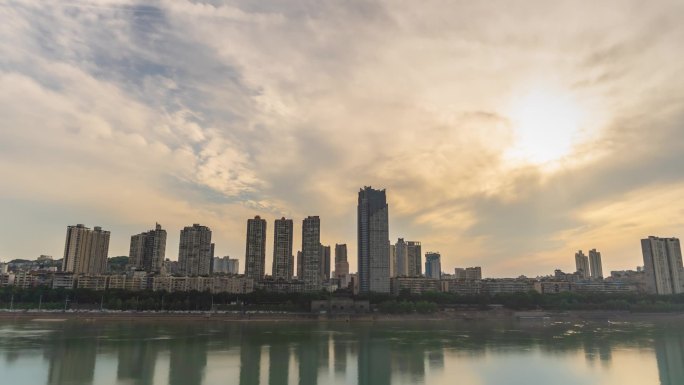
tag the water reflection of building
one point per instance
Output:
(279, 363)
(250, 358)
(340, 355)
(408, 360)
(136, 362)
(436, 359)
(72, 361)
(307, 352)
(670, 357)
(598, 349)
(187, 359)
(374, 365)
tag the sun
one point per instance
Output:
(546, 126)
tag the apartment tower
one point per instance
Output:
(85, 250)
(663, 265)
(255, 250)
(582, 264)
(373, 241)
(595, 267)
(148, 250)
(282, 249)
(195, 251)
(311, 250)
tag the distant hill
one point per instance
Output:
(117, 264)
(20, 261)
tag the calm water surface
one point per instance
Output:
(211, 352)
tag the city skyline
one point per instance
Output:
(505, 140)
(592, 263)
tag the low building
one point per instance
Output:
(340, 305)
(218, 284)
(507, 286)
(63, 281)
(559, 275)
(6, 279)
(199, 284)
(24, 280)
(636, 278)
(603, 287)
(93, 282)
(234, 284)
(281, 286)
(179, 284)
(461, 286)
(136, 283)
(162, 283)
(552, 287)
(117, 281)
(415, 285)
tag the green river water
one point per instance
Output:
(199, 351)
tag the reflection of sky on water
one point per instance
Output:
(186, 353)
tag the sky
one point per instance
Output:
(507, 134)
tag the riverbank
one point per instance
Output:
(470, 315)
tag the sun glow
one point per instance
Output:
(547, 125)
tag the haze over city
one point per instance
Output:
(508, 144)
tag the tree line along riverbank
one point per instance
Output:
(405, 303)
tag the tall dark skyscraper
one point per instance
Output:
(433, 265)
(148, 250)
(300, 265)
(194, 251)
(282, 249)
(325, 262)
(341, 263)
(311, 249)
(255, 253)
(401, 259)
(414, 257)
(373, 240)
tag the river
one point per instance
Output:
(198, 351)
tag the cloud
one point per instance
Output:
(214, 111)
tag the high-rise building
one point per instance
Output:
(255, 253)
(582, 264)
(85, 250)
(341, 263)
(226, 265)
(400, 259)
(373, 241)
(433, 265)
(282, 249)
(393, 260)
(663, 265)
(325, 262)
(414, 253)
(300, 265)
(311, 249)
(194, 251)
(233, 266)
(148, 250)
(596, 270)
(468, 273)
